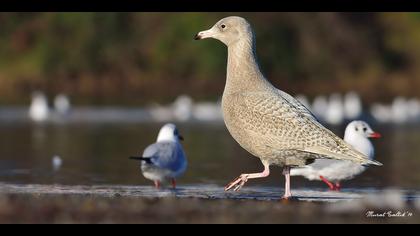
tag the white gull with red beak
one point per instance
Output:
(357, 134)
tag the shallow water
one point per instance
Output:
(98, 154)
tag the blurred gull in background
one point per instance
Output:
(208, 111)
(413, 109)
(335, 110)
(320, 106)
(57, 162)
(39, 111)
(400, 111)
(182, 108)
(352, 106)
(62, 104)
(381, 113)
(160, 113)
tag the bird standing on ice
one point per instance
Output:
(357, 134)
(267, 122)
(165, 159)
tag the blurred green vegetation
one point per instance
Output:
(138, 58)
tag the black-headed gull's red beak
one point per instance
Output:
(375, 135)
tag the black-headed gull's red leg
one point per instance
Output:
(173, 181)
(330, 185)
(157, 184)
(337, 186)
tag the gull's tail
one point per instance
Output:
(373, 162)
(349, 154)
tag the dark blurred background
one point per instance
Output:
(131, 58)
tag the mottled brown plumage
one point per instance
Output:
(265, 121)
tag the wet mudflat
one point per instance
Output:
(202, 204)
(192, 191)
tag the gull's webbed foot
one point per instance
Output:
(238, 183)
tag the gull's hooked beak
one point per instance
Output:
(375, 135)
(204, 34)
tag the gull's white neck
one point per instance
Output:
(243, 72)
(360, 143)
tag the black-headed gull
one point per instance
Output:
(165, 159)
(357, 134)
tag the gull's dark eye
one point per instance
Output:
(357, 129)
(364, 129)
(223, 26)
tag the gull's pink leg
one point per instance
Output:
(157, 184)
(287, 192)
(337, 186)
(173, 181)
(239, 182)
(330, 185)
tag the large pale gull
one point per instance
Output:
(265, 121)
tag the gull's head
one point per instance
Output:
(228, 30)
(38, 95)
(360, 129)
(169, 132)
